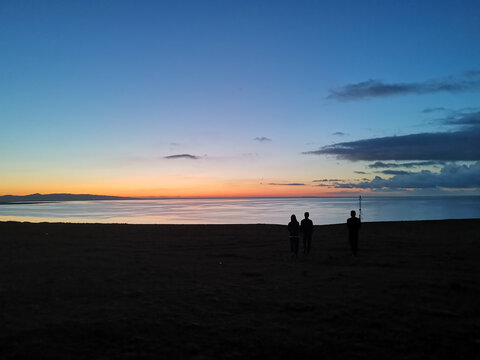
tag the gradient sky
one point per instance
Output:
(240, 98)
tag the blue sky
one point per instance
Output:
(97, 95)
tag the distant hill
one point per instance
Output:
(7, 199)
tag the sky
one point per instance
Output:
(240, 98)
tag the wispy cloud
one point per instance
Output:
(326, 180)
(469, 118)
(433, 109)
(408, 165)
(287, 184)
(339, 133)
(330, 183)
(452, 176)
(182, 156)
(395, 172)
(375, 88)
(262, 139)
(360, 172)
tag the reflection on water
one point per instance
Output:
(244, 210)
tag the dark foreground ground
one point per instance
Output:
(92, 291)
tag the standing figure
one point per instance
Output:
(306, 227)
(353, 225)
(294, 230)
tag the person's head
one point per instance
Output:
(306, 215)
(293, 218)
(353, 213)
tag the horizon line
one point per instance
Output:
(120, 197)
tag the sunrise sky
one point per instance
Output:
(240, 98)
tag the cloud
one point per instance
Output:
(467, 119)
(288, 184)
(375, 88)
(262, 139)
(380, 164)
(472, 73)
(182, 156)
(395, 172)
(360, 172)
(326, 180)
(451, 176)
(434, 109)
(251, 155)
(442, 146)
(339, 133)
(460, 144)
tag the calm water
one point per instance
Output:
(245, 210)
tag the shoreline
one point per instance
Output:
(227, 224)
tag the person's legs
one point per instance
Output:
(296, 241)
(354, 244)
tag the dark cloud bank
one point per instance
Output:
(420, 150)
(375, 88)
(452, 176)
(447, 146)
(459, 145)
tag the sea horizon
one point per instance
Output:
(153, 197)
(244, 210)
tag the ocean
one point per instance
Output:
(244, 210)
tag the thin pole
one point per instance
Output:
(360, 207)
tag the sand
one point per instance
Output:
(90, 291)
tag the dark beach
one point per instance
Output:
(91, 291)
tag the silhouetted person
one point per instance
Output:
(294, 230)
(306, 227)
(353, 227)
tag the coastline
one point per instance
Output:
(233, 291)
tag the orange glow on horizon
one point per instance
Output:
(217, 189)
(147, 185)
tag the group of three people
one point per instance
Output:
(306, 228)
